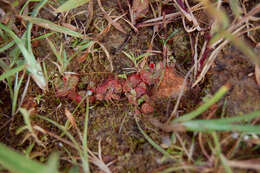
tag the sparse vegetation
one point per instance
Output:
(129, 86)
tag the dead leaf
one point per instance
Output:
(70, 117)
(170, 85)
(257, 68)
(257, 74)
(140, 8)
(110, 20)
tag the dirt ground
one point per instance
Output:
(113, 122)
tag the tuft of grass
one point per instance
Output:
(70, 4)
(52, 26)
(19, 163)
(220, 93)
(32, 65)
(11, 72)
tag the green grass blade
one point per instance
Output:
(18, 83)
(26, 117)
(156, 146)
(235, 7)
(12, 72)
(29, 26)
(220, 93)
(245, 117)
(70, 4)
(219, 152)
(52, 26)
(43, 36)
(54, 50)
(64, 130)
(170, 36)
(84, 142)
(19, 163)
(209, 126)
(32, 65)
(7, 46)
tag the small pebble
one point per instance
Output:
(235, 135)
(166, 142)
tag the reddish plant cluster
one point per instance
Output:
(138, 87)
(135, 88)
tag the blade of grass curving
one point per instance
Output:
(26, 4)
(63, 129)
(235, 7)
(219, 154)
(84, 142)
(243, 47)
(209, 126)
(19, 163)
(245, 117)
(26, 117)
(43, 36)
(11, 72)
(17, 85)
(32, 65)
(175, 168)
(217, 96)
(156, 146)
(52, 164)
(52, 26)
(81, 152)
(55, 51)
(70, 4)
(29, 25)
(170, 36)
(7, 46)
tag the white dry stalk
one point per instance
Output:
(235, 29)
(210, 61)
(184, 148)
(174, 15)
(189, 16)
(195, 57)
(98, 161)
(180, 94)
(24, 93)
(204, 47)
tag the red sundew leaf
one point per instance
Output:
(92, 99)
(115, 97)
(115, 86)
(126, 87)
(67, 84)
(100, 97)
(134, 80)
(102, 89)
(151, 66)
(137, 112)
(140, 90)
(73, 95)
(146, 77)
(146, 108)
